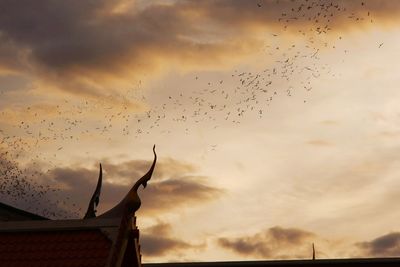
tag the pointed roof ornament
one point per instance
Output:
(131, 202)
(94, 201)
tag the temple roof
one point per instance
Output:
(110, 240)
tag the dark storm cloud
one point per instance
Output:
(158, 240)
(275, 242)
(384, 246)
(81, 45)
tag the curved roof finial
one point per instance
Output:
(131, 202)
(94, 201)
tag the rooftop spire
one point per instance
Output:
(131, 202)
(313, 251)
(94, 201)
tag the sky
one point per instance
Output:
(276, 122)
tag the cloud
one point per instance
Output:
(384, 246)
(158, 240)
(154, 245)
(173, 185)
(170, 188)
(174, 193)
(88, 47)
(275, 242)
(167, 168)
(82, 46)
(244, 247)
(12, 59)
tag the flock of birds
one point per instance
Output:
(230, 100)
(21, 187)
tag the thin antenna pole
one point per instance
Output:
(313, 251)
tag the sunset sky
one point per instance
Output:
(276, 122)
